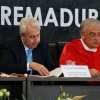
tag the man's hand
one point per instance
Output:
(39, 67)
(94, 72)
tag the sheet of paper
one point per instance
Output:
(54, 73)
(75, 71)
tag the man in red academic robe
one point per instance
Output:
(85, 51)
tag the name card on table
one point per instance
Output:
(75, 71)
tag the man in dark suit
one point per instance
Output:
(13, 51)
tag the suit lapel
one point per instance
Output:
(35, 55)
(21, 50)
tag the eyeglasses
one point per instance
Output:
(93, 35)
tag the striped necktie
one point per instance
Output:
(29, 58)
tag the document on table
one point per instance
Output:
(54, 73)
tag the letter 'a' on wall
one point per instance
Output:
(59, 20)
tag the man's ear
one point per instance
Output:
(82, 34)
(22, 35)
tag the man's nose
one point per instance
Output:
(36, 39)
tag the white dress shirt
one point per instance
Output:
(88, 49)
(26, 48)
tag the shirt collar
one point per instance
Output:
(26, 48)
(88, 49)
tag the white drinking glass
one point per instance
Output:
(70, 62)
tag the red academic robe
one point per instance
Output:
(75, 51)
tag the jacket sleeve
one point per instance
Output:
(9, 64)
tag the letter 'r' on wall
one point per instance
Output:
(5, 13)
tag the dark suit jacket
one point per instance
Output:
(13, 56)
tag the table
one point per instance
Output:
(16, 86)
(52, 91)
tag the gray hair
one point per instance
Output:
(88, 21)
(30, 21)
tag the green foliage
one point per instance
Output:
(64, 96)
(23, 97)
(4, 94)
